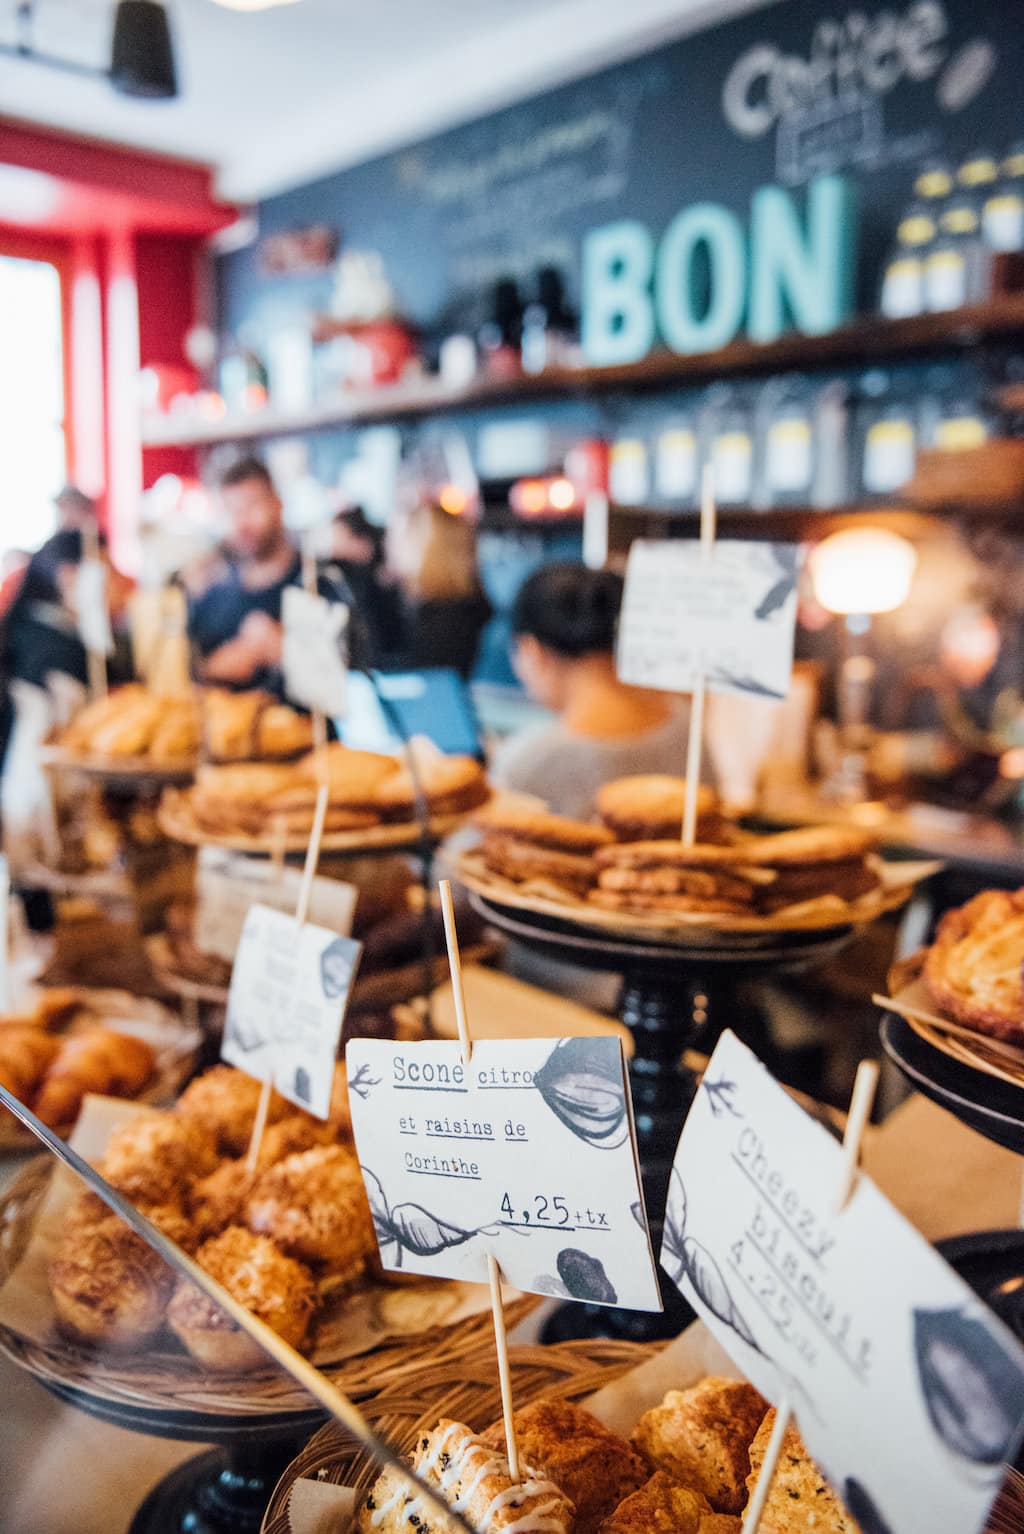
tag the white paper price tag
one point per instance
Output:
(730, 618)
(91, 603)
(289, 989)
(526, 1154)
(315, 673)
(228, 883)
(907, 1390)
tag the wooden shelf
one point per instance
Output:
(865, 339)
(801, 524)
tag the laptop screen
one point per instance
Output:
(397, 705)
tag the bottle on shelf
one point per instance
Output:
(677, 462)
(888, 433)
(957, 268)
(727, 439)
(1002, 213)
(500, 338)
(903, 289)
(787, 446)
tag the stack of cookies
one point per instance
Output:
(758, 875)
(529, 845)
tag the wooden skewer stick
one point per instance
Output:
(301, 912)
(861, 1100)
(695, 738)
(493, 1270)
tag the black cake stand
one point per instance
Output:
(676, 994)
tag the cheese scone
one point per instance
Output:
(800, 1500)
(702, 1438)
(475, 1480)
(661, 1506)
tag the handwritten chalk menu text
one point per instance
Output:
(289, 990)
(891, 1363)
(527, 1153)
(728, 615)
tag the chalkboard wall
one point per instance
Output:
(803, 87)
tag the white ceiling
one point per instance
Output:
(276, 97)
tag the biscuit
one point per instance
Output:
(450, 780)
(542, 829)
(668, 853)
(700, 883)
(660, 1506)
(800, 1500)
(702, 1436)
(649, 805)
(521, 862)
(635, 900)
(807, 845)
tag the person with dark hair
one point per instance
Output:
(358, 550)
(564, 623)
(235, 623)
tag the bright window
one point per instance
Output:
(32, 447)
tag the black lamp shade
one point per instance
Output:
(142, 59)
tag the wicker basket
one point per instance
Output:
(461, 1384)
(163, 1383)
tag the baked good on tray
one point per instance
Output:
(365, 789)
(472, 1476)
(525, 843)
(649, 807)
(132, 722)
(51, 1072)
(973, 969)
(281, 1240)
(688, 1469)
(752, 875)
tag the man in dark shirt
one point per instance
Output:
(235, 624)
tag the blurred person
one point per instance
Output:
(75, 509)
(357, 547)
(443, 609)
(235, 618)
(45, 668)
(563, 624)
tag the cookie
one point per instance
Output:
(522, 861)
(649, 805)
(701, 883)
(635, 900)
(542, 829)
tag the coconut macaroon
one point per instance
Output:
(274, 1288)
(109, 1286)
(153, 1158)
(314, 1206)
(223, 1102)
(475, 1480)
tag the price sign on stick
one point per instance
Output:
(729, 619)
(907, 1390)
(315, 673)
(289, 989)
(228, 884)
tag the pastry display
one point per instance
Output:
(689, 1468)
(281, 1240)
(365, 790)
(132, 724)
(973, 970)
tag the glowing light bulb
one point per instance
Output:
(863, 570)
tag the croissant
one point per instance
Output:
(25, 1055)
(97, 1061)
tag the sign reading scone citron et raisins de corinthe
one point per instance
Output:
(290, 986)
(908, 1391)
(727, 615)
(526, 1153)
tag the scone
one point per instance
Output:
(314, 1206)
(109, 1286)
(275, 1288)
(661, 1506)
(594, 1466)
(471, 1475)
(702, 1438)
(800, 1500)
